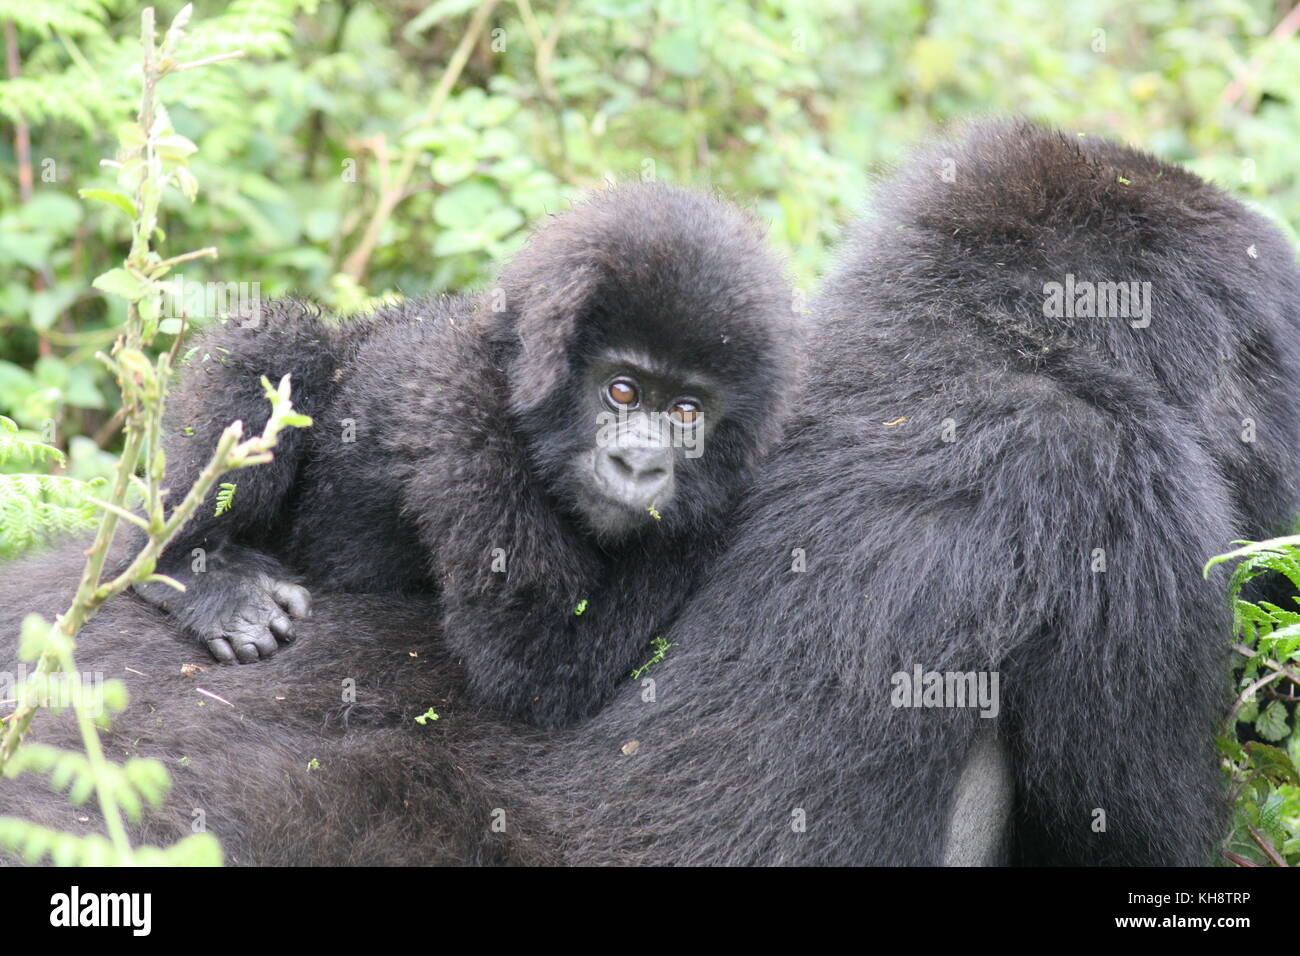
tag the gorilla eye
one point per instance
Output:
(622, 393)
(685, 411)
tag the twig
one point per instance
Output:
(1245, 651)
(1246, 695)
(207, 61)
(355, 264)
(209, 252)
(1263, 843)
(108, 431)
(543, 44)
(1287, 26)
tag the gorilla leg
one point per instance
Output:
(980, 820)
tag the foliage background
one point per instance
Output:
(790, 106)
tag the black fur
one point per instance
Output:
(975, 554)
(447, 440)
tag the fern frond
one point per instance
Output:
(71, 17)
(33, 844)
(13, 447)
(37, 508)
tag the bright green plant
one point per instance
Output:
(152, 159)
(1261, 745)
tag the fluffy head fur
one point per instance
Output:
(660, 271)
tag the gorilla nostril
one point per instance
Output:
(621, 465)
(647, 476)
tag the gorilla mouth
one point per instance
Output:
(613, 501)
(606, 503)
(609, 515)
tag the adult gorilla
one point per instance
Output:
(979, 478)
(981, 482)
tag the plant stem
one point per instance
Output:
(355, 264)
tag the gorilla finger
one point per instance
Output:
(293, 598)
(282, 628)
(264, 641)
(247, 653)
(220, 648)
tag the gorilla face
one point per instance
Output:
(626, 325)
(648, 423)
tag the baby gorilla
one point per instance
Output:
(555, 457)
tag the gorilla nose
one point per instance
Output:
(634, 475)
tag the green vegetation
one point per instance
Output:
(660, 646)
(152, 158)
(789, 105)
(1260, 743)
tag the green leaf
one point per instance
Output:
(48, 303)
(130, 136)
(175, 147)
(198, 849)
(225, 498)
(465, 206)
(110, 196)
(1271, 723)
(115, 695)
(1273, 763)
(679, 52)
(122, 283)
(434, 14)
(36, 637)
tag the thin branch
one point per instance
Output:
(1266, 846)
(1245, 651)
(355, 264)
(208, 252)
(1238, 859)
(120, 512)
(1287, 26)
(1248, 695)
(206, 61)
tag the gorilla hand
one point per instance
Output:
(253, 628)
(242, 607)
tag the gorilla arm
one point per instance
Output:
(239, 600)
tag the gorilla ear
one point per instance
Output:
(546, 324)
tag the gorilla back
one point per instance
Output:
(307, 760)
